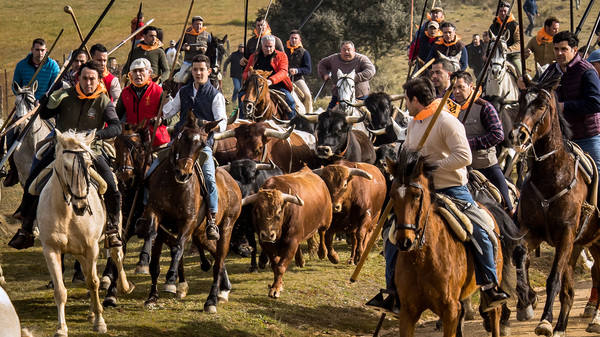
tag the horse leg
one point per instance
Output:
(523, 289)
(176, 255)
(2, 280)
(561, 258)
(566, 295)
(124, 286)
(93, 283)
(78, 273)
(154, 272)
(594, 325)
(224, 286)
(450, 318)
(222, 247)
(182, 285)
(53, 261)
(332, 255)
(407, 320)
(144, 259)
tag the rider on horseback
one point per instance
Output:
(512, 29)
(83, 107)
(195, 42)
(207, 104)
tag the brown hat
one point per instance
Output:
(197, 17)
(433, 23)
(436, 9)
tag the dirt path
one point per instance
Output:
(577, 325)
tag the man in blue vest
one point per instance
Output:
(207, 103)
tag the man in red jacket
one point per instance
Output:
(275, 61)
(139, 101)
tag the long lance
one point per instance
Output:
(137, 22)
(39, 68)
(587, 45)
(261, 31)
(310, 15)
(172, 70)
(245, 21)
(388, 207)
(571, 20)
(487, 51)
(29, 125)
(584, 17)
(483, 72)
(522, 38)
(69, 10)
(120, 44)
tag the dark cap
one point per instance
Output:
(504, 4)
(196, 18)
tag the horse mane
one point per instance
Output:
(565, 126)
(410, 164)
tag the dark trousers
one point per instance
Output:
(495, 175)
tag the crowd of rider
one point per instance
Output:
(90, 97)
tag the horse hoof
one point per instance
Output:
(100, 326)
(438, 325)
(50, 285)
(544, 329)
(559, 334)
(321, 253)
(170, 288)
(504, 330)
(223, 296)
(61, 334)
(593, 328)
(110, 301)
(2, 282)
(333, 258)
(105, 282)
(253, 269)
(210, 309)
(589, 311)
(91, 317)
(182, 290)
(151, 304)
(525, 314)
(129, 290)
(205, 266)
(142, 269)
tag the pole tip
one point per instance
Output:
(68, 9)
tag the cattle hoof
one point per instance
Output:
(274, 293)
(438, 325)
(593, 328)
(504, 330)
(469, 315)
(589, 311)
(333, 258)
(182, 290)
(100, 325)
(544, 329)
(170, 288)
(105, 282)
(205, 266)
(141, 269)
(211, 309)
(110, 301)
(525, 314)
(321, 253)
(223, 296)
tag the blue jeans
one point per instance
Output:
(208, 169)
(290, 101)
(592, 146)
(390, 251)
(237, 84)
(485, 266)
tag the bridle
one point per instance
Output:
(259, 91)
(68, 193)
(529, 132)
(132, 148)
(419, 233)
(345, 86)
(175, 157)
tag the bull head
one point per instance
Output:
(338, 180)
(268, 212)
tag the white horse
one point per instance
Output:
(71, 219)
(347, 97)
(23, 156)
(9, 321)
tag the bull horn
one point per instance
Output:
(397, 97)
(279, 134)
(366, 112)
(280, 121)
(357, 104)
(318, 171)
(225, 134)
(295, 199)
(360, 173)
(377, 132)
(311, 118)
(249, 199)
(355, 119)
(265, 166)
(226, 167)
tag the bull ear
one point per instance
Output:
(397, 97)
(391, 166)
(226, 167)
(209, 126)
(360, 173)
(249, 199)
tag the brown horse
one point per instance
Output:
(552, 195)
(434, 270)
(257, 102)
(177, 205)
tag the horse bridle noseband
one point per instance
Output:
(131, 148)
(419, 233)
(67, 191)
(259, 90)
(530, 132)
(345, 79)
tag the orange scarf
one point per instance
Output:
(543, 37)
(265, 32)
(291, 48)
(157, 44)
(146, 82)
(191, 31)
(510, 18)
(105, 72)
(466, 104)
(99, 90)
(437, 33)
(429, 110)
(448, 44)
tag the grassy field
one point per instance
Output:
(317, 299)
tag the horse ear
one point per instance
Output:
(251, 70)
(58, 135)
(268, 73)
(492, 36)
(89, 137)
(339, 73)
(192, 121)
(16, 87)
(352, 74)
(34, 86)
(209, 126)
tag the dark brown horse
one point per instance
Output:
(434, 270)
(257, 102)
(552, 197)
(176, 205)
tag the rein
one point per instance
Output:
(68, 193)
(259, 94)
(419, 234)
(132, 148)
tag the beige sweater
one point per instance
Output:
(447, 147)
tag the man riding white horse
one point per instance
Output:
(83, 107)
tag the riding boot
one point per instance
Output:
(24, 236)
(113, 210)
(12, 177)
(494, 296)
(212, 231)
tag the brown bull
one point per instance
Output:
(287, 210)
(259, 142)
(357, 193)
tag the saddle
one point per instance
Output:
(590, 173)
(40, 181)
(482, 184)
(279, 98)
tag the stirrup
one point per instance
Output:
(113, 240)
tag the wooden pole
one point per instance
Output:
(522, 37)
(589, 41)
(6, 90)
(571, 15)
(584, 17)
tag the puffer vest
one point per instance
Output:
(482, 158)
(295, 61)
(201, 105)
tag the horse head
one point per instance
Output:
(25, 98)
(72, 167)
(345, 86)
(453, 60)
(130, 155)
(411, 198)
(187, 147)
(257, 91)
(498, 58)
(537, 111)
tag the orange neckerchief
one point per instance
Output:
(437, 33)
(265, 32)
(105, 72)
(141, 85)
(429, 110)
(157, 44)
(466, 104)
(510, 18)
(543, 37)
(291, 48)
(99, 90)
(191, 31)
(448, 44)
